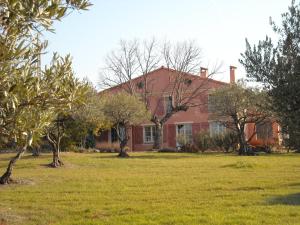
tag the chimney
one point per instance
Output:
(232, 74)
(203, 72)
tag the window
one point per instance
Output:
(114, 135)
(211, 103)
(184, 133)
(216, 128)
(168, 104)
(149, 134)
(264, 130)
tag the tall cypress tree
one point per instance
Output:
(277, 66)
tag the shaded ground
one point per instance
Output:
(290, 199)
(153, 188)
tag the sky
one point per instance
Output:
(219, 27)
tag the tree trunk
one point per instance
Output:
(56, 161)
(55, 142)
(6, 177)
(123, 139)
(243, 150)
(123, 153)
(157, 137)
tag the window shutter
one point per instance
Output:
(138, 134)
(172, 135)
(165, 133)
(103, 136)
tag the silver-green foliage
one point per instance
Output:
(30, 96)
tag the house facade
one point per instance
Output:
(183, 123)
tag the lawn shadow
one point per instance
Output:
(7, 158)
(152, 156)
(35, 157)
(162, 156)
(293, 184)
(291, 199)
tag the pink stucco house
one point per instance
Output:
(187, 123)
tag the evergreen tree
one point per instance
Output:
(277, 66)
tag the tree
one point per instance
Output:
(276, 65)
(181, 59)
(27, 105)
(235, 106)
(72, 93)
(84, 122)
(123, 110)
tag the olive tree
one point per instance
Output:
(27, 105)
(122, 110)
(79, 124)
(72, 93)
(235, 106)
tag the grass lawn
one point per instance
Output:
(153, 188)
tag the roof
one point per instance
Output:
(169, 70)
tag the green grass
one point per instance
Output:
(154, 188)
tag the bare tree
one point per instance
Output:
(121, 67)
(185, 89)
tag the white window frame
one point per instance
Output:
(184, 123)
(220, 128)
(152, 134)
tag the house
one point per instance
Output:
(162, 82)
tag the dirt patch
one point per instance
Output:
(66, 165)
(19, 181)
(8, 217)
(240, 165)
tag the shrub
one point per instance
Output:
(192, 148)
(181, 140)
(90, 141)
(108, 147)
(225, 141)
(185, 145)
(203, 141)
(217, 141)
(230, 140)
(168, 149)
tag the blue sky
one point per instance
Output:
(218, 26)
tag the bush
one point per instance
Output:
(108, 147)
(225, 141)
(217, 141)
(168, 149)
(185, 145)
(230, 140)
(203, 141)
(181, 140)
(90, 141)
(192, 148)
(83, 150)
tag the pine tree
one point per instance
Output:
(277, 66)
